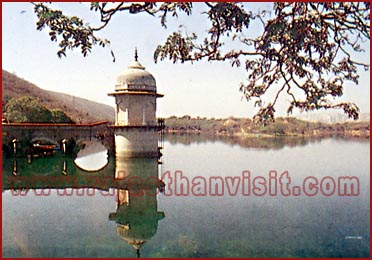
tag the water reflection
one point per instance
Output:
(137, 212)
(274, 143)
(128, 222)
(93, 156)
(136, 216)
(134, 181)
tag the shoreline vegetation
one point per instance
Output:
(23, 101)
(244, 128)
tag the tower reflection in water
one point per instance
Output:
(137, 212)
(136, 146)
(135, 181)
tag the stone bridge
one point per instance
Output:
(55, 133)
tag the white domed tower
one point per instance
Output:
(136, 127)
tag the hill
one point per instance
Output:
(79, 109)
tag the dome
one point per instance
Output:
(135, 78)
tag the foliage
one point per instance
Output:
(28, 110)
(60, 117)
(71, 32)
(306, 50)
(76, 108)
(5, 100)
(244, 127)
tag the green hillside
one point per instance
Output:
(78, 109)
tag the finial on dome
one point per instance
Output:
(135, 54)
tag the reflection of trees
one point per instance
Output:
(276, 143)
(187, 139)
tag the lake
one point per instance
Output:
(223, 198)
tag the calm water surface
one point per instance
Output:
(82, 224)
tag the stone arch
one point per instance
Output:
(106, 142)
(44, 139)
(91, 147)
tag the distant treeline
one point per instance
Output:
(245, 127)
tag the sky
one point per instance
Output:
(205, 89)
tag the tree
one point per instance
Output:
(305, 50)
(5, 100)
(28, 110)
(59, 116)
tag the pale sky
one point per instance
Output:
(199, 89)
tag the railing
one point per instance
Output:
(6, 123)
(161, 126)
(161, 123)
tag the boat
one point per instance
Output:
(40, 149)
